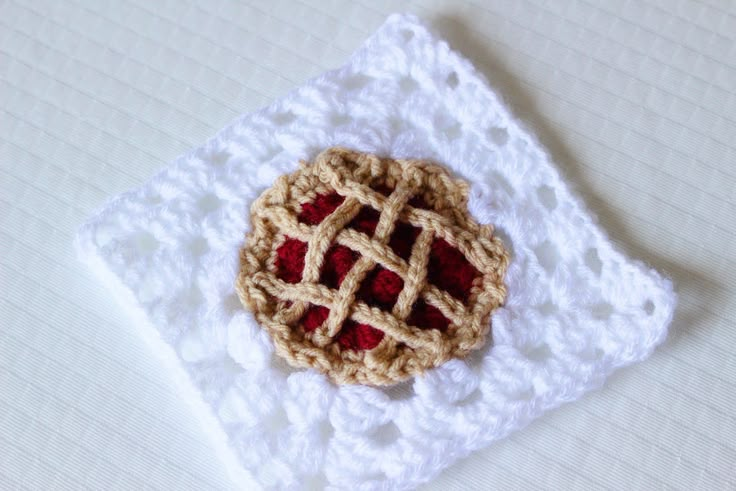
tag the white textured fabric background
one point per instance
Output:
(634, 102)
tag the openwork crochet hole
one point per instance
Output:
(146, 243)
(220, 158)
(498, 135)
(593, 261)
(209, 203)
(407, 85)
(452, 80)
(547, 197)
(547, 256)
(283, 118)
(648, 307)
(370, 269)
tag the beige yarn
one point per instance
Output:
(405, 350)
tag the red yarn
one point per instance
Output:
(290, 260)
(402, 240)
(426, 316)
(448, 270)
(314, 317)
(366, 220)
(313, 213)
(381, 288)
(338, 261)
(358, 337)
(352, 335)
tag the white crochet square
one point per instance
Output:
(576, 309)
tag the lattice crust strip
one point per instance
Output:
(412, 193)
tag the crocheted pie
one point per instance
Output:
(370, 269)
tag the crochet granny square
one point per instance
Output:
(373, 276)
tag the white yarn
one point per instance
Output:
(576, 309)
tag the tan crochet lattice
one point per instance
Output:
(405, 350)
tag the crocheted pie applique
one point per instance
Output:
(370, 269)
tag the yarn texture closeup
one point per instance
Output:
(370, 269)
(422, 284)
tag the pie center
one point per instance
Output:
(370, 269)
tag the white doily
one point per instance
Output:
(576, 308)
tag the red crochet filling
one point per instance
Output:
(352, 336)
(290, 260)
(426, 315)
(380, 288)
(338, 261)
(313, 213)
(358, 337)
(314, 317)
(448, 269)
(365, 221)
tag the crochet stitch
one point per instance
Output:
(576, 308)
(345, 287)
